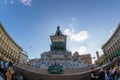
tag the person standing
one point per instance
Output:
(9, 71)
(102, 74)
(106, 75)
(1, 66)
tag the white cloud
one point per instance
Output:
(75, 37)
(73, 19)
(69, 32)
(11, 2)
(111, 32)
(70, 25)
(82, 35)
(26, 2)
(80, 50)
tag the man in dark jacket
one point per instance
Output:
(101, 74)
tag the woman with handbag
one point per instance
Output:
(9, 71)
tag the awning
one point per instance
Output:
(118, 52)
(113, 55)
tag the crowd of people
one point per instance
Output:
(7, 71)
(113, 73)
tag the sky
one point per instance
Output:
(88, 24)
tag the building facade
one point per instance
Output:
(9, 49)
(111, 48)
(23, 58)
(35, 62)
(97, 54)
(100, 60)
(86, 58)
